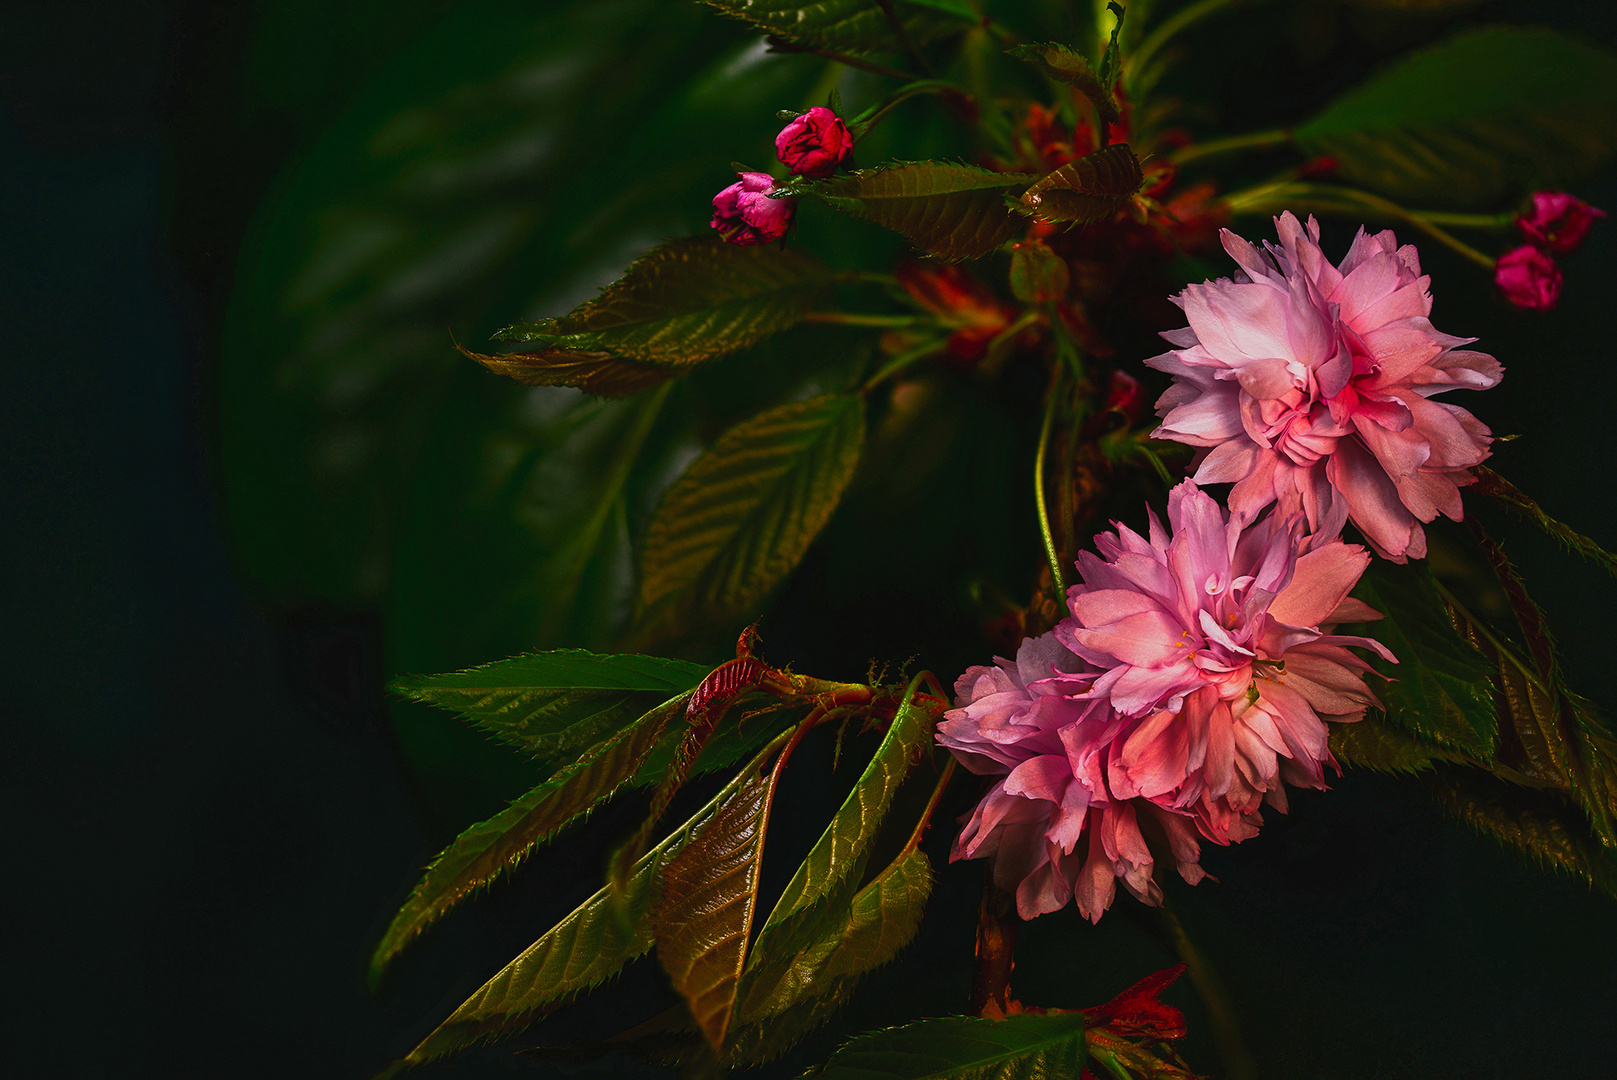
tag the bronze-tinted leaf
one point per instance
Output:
(743, 515)
(1549, 737)
(709, 894)
(677, 306)
(1542, 825)
(1088, 189)
(1373, 743)
(952, 211)
(1065, 65)
(774, 1013)
(555, 705)
(705, 708)
(490, 848)
(829, 874)
(586, 948)
(598, 373)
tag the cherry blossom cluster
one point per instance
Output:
(815, 144)
(1194, 675)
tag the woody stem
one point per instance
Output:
(996, 951)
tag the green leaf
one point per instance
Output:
(1088, 189)
(1550, 736)
(1038, 275)
(1542, 825)
(709, 895)
(586, 948)
(951, 211)
(466, 181)
(1068, 66)
(1474, 119)
(1438, 690)
(882, 918)
(834, 866)
(742, 516)
(554, 705)
(1372, 743)
(1022, 1047)
(680, 305)
(1111, 60)
(851, 26)
(1497, 487)
(598, 373)
(490, 848)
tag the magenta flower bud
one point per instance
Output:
(1558, 222)
(745, 214)
(1528, 278)
(1125, 395)
(815, 144)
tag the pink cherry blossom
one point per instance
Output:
(1190, 684)
(745, 214)
(1528, 278)
(1558, 222)
(816, 143)
(1310, 385)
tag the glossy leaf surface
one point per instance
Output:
(1374, 743)
(1022, 1047)
(587, 947)
(555, 705)
(1088, 189)
(1543, 826)
(1472, 120)
(853, 26)
(681, 304)
(834, 866)
(883, 917)
(709, 895)
(951, 211)
(492, 847)
(1438, 690)
(742, 516)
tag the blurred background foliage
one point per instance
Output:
(340, 191)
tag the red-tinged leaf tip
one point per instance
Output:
(723, 685)
(1136, 1012)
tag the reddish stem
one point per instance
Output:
(996, 953)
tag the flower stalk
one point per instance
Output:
(1045, 428)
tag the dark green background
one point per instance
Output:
(209, 814)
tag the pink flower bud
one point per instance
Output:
(1125, 395)
(745, 214)
(815, 144)
(1528, 278)
(1558, 221)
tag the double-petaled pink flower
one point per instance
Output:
(1189, 685)
(1310, 385)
